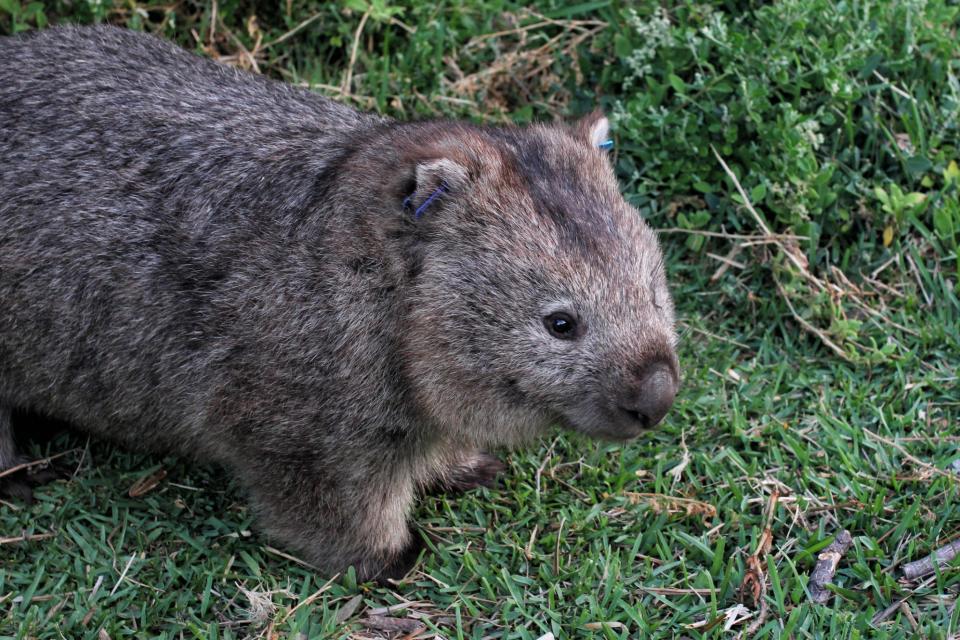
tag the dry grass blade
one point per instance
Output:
(824, 338)
(672, 591)
(348, 76)
(729, 618)
(757, 239)
(789, 248)
(600, 626)
(543, 22)
(917, 461)
(297, 29)
(522, 58)
(306, 602)
(26, 538)
(838, 288)
(35, 463)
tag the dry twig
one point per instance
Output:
(826, 567)
(928, 565)
(755, 579)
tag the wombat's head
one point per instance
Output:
(538, 294)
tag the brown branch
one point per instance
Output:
(826, 567)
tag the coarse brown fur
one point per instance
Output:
(201, 261)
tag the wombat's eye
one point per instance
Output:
(561, 325)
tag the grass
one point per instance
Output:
(838, 121)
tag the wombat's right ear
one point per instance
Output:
(593, 128)
(432, 182)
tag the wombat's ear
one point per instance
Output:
(434, 181)
(593, 128)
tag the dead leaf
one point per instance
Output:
(147, 483)
(392, 625)
(673, 505)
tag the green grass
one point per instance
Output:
(839, 120)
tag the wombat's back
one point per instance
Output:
(104, 75)
(143, 192)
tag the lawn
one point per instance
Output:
(801, 159)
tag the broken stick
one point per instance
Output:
(940, 557)
(826, 567)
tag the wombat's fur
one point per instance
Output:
(198, 260)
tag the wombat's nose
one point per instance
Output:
(652, 397)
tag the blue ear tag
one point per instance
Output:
(439, 191)
(606, 145)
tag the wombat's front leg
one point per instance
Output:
(11, 485)
(339, 516)
(17, 485)
(470, 471)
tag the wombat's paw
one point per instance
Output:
(477, 470)
(402, 563)
(19, 485)
(16, 489)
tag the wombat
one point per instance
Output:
(340, 309)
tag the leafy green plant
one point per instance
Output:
(898, 205)
(946, 214)
(804, 100)
(22, 16)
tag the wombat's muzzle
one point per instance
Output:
(644, 404)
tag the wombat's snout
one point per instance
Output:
(645, 402)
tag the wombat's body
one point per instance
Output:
(198, 260)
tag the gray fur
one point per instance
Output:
(198, 260)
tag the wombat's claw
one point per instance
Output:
(479, 470)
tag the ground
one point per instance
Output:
(800, 158)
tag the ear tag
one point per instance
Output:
(439, 191)
(606, 145)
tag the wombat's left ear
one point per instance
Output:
(594, 128)
(434, 181)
